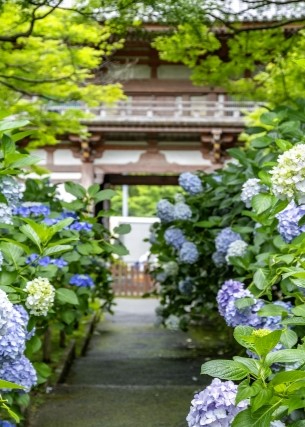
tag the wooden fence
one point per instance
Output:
(131, 280)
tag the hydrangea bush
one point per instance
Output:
(54, 266)
(251, 262)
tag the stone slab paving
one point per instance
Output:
(135, 374)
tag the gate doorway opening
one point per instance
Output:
(135, 201)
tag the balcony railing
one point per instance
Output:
(169, 111)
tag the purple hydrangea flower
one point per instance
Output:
(288, 226)
(81, 226)
(225, 238)
(59, 262)
(25, 319)
(81, 280)
(188, 253)
(165, 210)
(182, 211)
(19, 371)
(12, 343)
(215, 405)
(174, 237)
(190, 183)
(229, 293)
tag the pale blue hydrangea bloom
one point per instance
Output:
(274, 322)
(225, 238)
(179, 198)
(237, 248)
(172, 323)
(219, 259)
(6, 312)
(190, 182)
(251, 188)
(174, 237)
(171, 268)
(288, 226)
(19, 371)
(186, 285)
(6, 423)
(188, 253)
(25, 320)
(182, 211)
(6, 214)
(165, 210)
(215, 405)
(277, 423)
(11, 190)
(12, 343)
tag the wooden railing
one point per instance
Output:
(155, 110)
(130, 280)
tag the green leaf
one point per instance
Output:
(244, 302)
(75, 189)
(117, 249)
(265, 177)
(8, 145)
(294, 321)
(16, 124)
(286, 356)
(260, 278)
(55, 250)
(224, 369)
(93, 189)
(122, 229)
(261, 202)
(68, 316)
(262, 398)
(287, 377)
(104, 195)
(42, 369)
(289, 338)
(11, 252)
(300, 423)
(34, 344)
(244, 391)
(59, 226)
(261, 418)
(10, 385)
(17, 160)
(242, 334)
(28, 231)
(261, 142)
(252, 365)
(66, 296)
(264, 344)
(299, 310)
(272, 310)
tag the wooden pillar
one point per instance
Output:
(87, 170)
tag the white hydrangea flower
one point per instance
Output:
(251, 188)
(288, 177)
(6, 312)
(237, 248)
(40, 297)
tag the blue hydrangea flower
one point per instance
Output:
(12, 343)
(23, 211)
(229, 293)
(225, 238)
(188, 253)
(182, 211)
(81, 280)
(185, 286)
(161, 277)
(35, 209)
(215, 405)
(6, 312)
(39, 209)
(288, 226)
(25, 320)
(68, 214)
(237, 248)
(172, 323)
(219, 259)
(81, 226)
(174, 237)
(165, 210)
(44, 261)
(51, 221)
(59, 262)
(190, 183)
(6, 214)
(19, 371)
(31, 259)
(11, 189)
(274, 322)
(6, 423)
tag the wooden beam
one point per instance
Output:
(118, 179)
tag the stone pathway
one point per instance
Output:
(134, 375)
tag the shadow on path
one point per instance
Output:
(134, 375)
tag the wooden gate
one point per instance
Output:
(131, 280)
